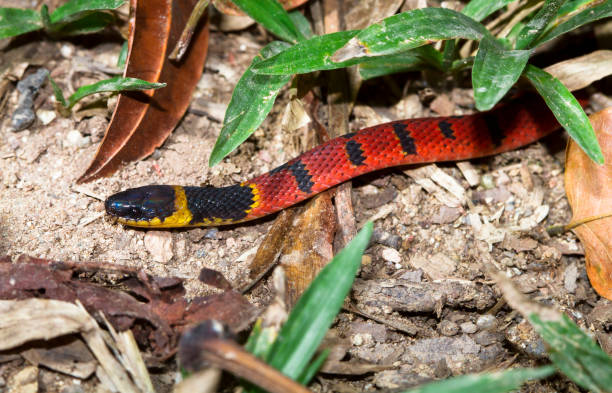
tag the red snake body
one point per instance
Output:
(413, 141)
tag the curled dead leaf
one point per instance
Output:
(589, 195)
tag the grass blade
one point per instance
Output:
(308, 56)
(589, 15)
(495, 71)
(567, 110)
(271, 15)
(15, 21)
(115, 84)
(57, 92)
(251, 102)
(317, 308)
(409, 30)
(575, 353)
(498, 382)
(538, 23)
(74, 9)
(480, 9)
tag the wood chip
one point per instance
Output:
(469, 172)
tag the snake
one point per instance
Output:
(506, 127)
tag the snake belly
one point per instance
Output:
(413, 141)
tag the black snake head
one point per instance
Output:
(147, 206)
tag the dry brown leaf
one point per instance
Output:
(142, 121)
(580, 72)
(589, 194)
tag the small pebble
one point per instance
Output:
(67, 51)
(386, 239)
(448, 328)
(391, 255)
(212, 233)
(468, 327)
(159, 245)
(486, 322)
(487, 181)
(45, 116)
(74, 138)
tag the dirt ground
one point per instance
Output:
(434, 312)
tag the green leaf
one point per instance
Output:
(575, 353)
(567, 110)
(115, 84)
(316, 309)
(88, 24)
(480, 9)
(308, 56)
(122, 55)
(409, 30)
(251, 102)
(498, 382)
(415, 59)
(302, 23)
(538, 23)
(44, 16)
(260, 340)
(495, 71)
(15, 21)
(313, 367)
(589, 15)
(271, 15)
(74, 9)
(57, 92)
(391, 64)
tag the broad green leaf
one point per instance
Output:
(308, 56)
(251, 102)
(57, 92)
(15, 21)
(301, 23)
(409, 30)
(575, 353)
(497, 382)
(538, 23)
(567, 110)
(415, 59)
(480, 9)
(88, 24)
(316, 309)
(391, 64)
(495, 71)
(115, 84)
(271, 15)
(74, 9)
(589, 15)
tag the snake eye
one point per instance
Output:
(142, 203)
